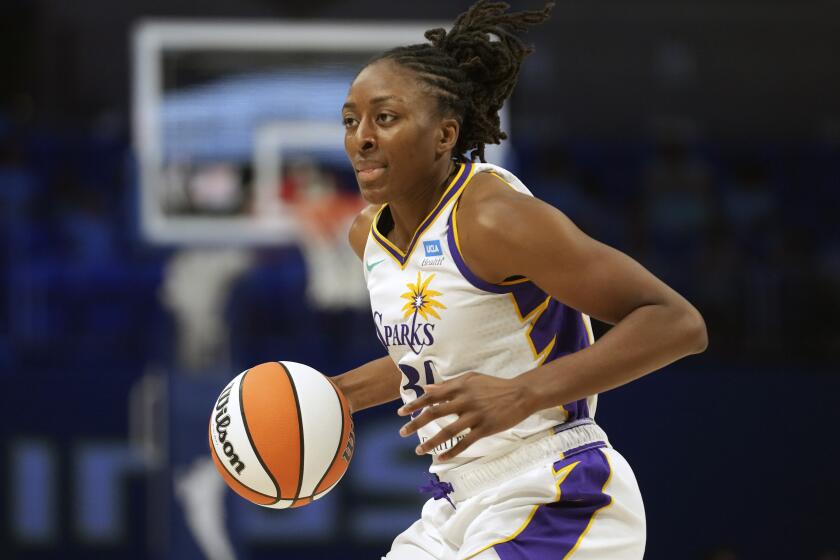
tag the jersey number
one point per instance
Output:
(413, 377)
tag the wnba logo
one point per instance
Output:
(222, 423)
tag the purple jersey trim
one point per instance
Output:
(570, 329)
(462, 266)
(462, 176)
(577, 410)
(381, 240)
(557, 322)
(558, 528)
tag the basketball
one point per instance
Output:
(281, 434)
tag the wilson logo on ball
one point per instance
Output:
(348, 449)
(222, 422)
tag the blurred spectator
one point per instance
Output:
(718, 296)
(678, 204)
(581, 196)
(677, 213)
(750, 208)
(82, 214)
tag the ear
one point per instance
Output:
(448, 135)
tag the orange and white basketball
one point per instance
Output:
(281, 434)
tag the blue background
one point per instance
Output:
(735, 450)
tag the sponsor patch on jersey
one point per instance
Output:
(433, 248)
(432, 261)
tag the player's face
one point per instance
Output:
(392, 133)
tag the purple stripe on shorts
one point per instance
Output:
(556, 528)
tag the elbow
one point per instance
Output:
(696, 334)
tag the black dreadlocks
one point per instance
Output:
(473, 68)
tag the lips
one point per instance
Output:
(369, 170)
(368, 165)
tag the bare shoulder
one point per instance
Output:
(492, 217)
(504, 233)
(360, 228)
(492, 206)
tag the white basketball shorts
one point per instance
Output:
(554, 498)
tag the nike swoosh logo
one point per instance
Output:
(370, 266)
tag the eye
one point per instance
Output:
(386, 118)
(349, 122)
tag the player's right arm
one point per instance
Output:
(371, 384)
(375, 382)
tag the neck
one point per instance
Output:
(410, 212)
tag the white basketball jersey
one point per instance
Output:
(438, 320)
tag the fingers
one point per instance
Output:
(445, 434)
(431, 413)
(437, 393)
(468, 440)
(443, 399)
(434, 394)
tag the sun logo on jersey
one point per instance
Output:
(421, 299)
(415, 329)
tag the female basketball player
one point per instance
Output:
(482, 296)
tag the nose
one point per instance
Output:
(366, 136)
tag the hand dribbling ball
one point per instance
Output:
(281, 434)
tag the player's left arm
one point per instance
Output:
(504, 233)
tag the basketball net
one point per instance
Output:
(324, 214)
